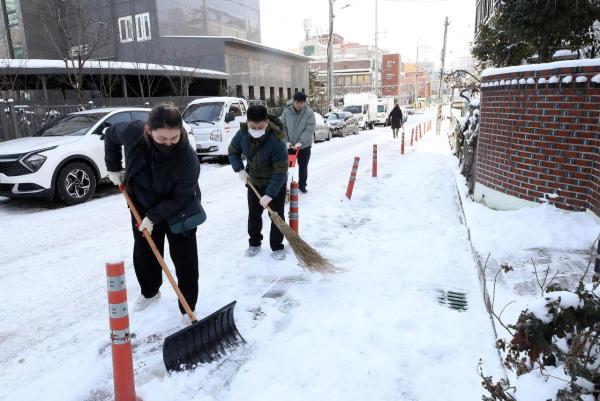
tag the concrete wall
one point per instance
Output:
(540, 141)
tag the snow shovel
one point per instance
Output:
(203, 341)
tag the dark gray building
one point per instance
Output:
(484, 9)
(220, 35)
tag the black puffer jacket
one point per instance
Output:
(160, 184)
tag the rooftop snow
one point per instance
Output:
(124, 65)
(540, 67)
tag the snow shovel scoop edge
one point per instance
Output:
(203, 341)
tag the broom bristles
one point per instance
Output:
(309, 258)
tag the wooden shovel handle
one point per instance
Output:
(159, 257)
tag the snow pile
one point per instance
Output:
(530, 81)
(553, 80)
(596, 79)
(502, 233)
(581, 79)
(567, 80)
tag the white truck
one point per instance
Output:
(214, 122)
(364, 108)
(384, 106)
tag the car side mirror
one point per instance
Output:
(229, 117)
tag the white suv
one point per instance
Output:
(214, 122)
(65, 159)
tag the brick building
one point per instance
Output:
(539, 138)
(392, 75)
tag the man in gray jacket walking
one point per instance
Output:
(299, 126)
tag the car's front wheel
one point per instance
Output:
(76, 183)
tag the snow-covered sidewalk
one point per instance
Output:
(375, 332)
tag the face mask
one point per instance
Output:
(256, 133)
(162, 148)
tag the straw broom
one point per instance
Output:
(309, 258)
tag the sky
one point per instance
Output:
(402, 24)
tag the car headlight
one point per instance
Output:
(216, 135)
(34, 161)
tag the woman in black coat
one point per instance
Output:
(161, 176)
(396, 119)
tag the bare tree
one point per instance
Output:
(8, 81)
(76, 36)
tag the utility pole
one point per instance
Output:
(443, 61)
(330, 58)
(376, 80)
(416, 79)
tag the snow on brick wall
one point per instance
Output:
(543, 138)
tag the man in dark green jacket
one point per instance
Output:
(260, 141)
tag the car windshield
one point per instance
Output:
(203, 112)
(333, 117)
(380, 108)
(353, 109)
(73, 125)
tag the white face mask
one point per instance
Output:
(256, 133)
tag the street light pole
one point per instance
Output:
(330, 58)
(443, 61)
(376, 81)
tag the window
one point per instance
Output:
(289, 93)
(354, 80)
(295, 90)
(262, 93)
(272, 93)
(303, 90)
(140, 115)
(309, 50)
(239, 91)
(126, 29)
(390, 63)
(251, 92)
(348, 80)
(118, 118)
(389, 76)
(235, 107)
(280, 93)
(142, 25)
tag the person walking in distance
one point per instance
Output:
(261, 142)
(161, 177)
(299, 126)
(395, 120)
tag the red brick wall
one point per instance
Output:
(390, 86)
(538, 139)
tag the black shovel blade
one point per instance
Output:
(204, 341)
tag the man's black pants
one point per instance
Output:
(255, 211)
(184, 252)
(303, 158)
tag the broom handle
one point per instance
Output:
(159, 257)
(258, 195)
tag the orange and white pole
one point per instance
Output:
(402, 144)
(119, 333)
(352, 178)
(294, 215)
(374, 161)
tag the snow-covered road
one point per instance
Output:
(375, 332)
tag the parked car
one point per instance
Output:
(342, 123)
(322, 132)
(214, 122)
(65, 159)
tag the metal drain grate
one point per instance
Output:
(453, 299)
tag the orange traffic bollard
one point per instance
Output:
(374, 161)
(352, 178)
(119, 333)
(412, 134)
(294, 197)
(402, 144)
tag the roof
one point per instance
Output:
(47, 66)
(245, 42)
(215, 98)
(111, 109)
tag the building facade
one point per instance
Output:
(392, 76)
(484, 10)
(220, 35)
(356, 67)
